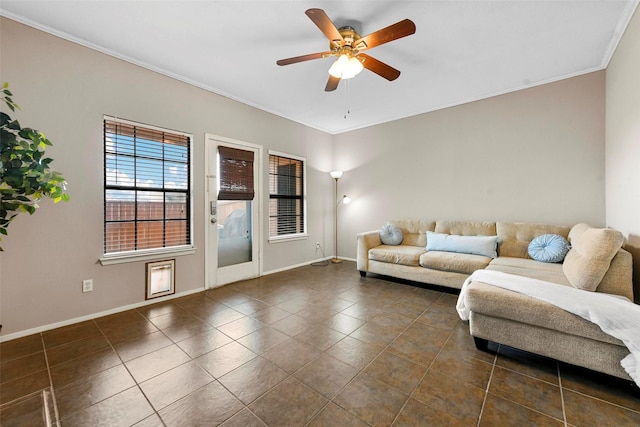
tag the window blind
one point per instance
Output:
(286, 196)
(236, 174)
(146, 187)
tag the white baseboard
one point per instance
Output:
(291, 267)
(48, 327)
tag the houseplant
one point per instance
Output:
(25, 173)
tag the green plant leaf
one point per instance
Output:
(25, 174)
(4, 119)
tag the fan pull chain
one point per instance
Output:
(346, 99)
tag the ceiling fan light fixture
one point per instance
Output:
(346, 67)
(347, 45)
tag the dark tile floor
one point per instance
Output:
(315, 346)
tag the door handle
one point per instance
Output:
(213, 220)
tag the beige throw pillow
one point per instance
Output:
(592, 250)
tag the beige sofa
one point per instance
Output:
(508, 317)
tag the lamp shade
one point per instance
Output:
(346, 199)
(336, 174)
(346, 67)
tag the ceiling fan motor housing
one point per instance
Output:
(349, 35)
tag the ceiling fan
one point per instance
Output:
(347, 45)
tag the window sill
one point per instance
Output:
(290, 238)
(155, 255)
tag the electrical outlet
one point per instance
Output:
(87, 285)
(317, 245)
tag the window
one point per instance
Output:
(286, 196)
(147, 199)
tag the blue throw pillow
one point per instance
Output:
(475, 245)
(391, 234)
(549, 248)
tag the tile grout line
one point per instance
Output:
(436, 356)
(626, 408)
(428, 367)
(525, 375)
(129, 372)
(53, 394)
(330, 400)
(258, 355)
(486, 392)
(216, 379)
(192, 359)
(564, 412)
(361, 370)
(292, 374)
(381, 351)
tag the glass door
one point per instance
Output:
(233, 200)
(235, 232)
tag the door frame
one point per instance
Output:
(210, 178)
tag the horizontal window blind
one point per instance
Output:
(286, 196)
(146, 188)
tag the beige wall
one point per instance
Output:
(64, 90)
(623, 142)
(533, 155)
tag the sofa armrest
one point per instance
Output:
(618, 279)
(366, 241)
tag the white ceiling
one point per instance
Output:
(462, 50)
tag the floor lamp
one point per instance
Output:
(337, 175)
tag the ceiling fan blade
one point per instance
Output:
(379, 67)
(332, 83)
(303, 58)
(388, 34)
(322, 21)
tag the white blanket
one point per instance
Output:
(615, 314)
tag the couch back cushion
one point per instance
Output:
(619, 277)
(592, 250)
(514, 237)
(414, 231)
(466, 228)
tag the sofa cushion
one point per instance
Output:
(390, 234)
(505, 304)
(619, 277)
(413, 231)
(454, 262)
(476, 245)
(526, 267)
(514, 237)
(401, 254)
(548, 248)
(466, 228)
(592, 250)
